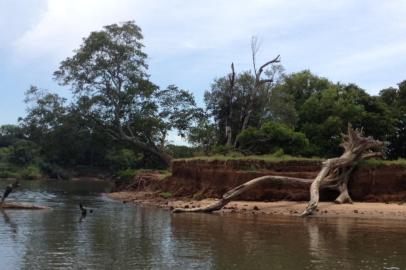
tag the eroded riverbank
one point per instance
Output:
(378, 189)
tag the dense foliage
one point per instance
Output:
(117, 119)
(270, 138)
(320, 110)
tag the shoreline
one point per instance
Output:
(364, 210)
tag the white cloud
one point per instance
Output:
(334, 38)
(64, 23)
(369, 58)
(170, 26)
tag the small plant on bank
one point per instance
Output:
(165, 195)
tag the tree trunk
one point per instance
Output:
(334, 174)
(160, 153)
(246, 119)
(227, 197)
(257, 84)
(229, 131)
(22, 206)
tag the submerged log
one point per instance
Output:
(22, 206)
(334, 174)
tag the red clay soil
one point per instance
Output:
(211, 179)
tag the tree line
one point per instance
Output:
(118, 118)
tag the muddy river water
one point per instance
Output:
(126, 236)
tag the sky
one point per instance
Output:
(191, 42)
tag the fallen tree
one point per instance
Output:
(334, 174)
(22, 206)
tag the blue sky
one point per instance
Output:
(189, 43)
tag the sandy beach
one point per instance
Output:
(389, 210)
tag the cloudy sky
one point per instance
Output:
(191, 42)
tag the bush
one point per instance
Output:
(6, 172)
(165, 195)
(181, 151)
(23, 152)
(5, 154)
(123, 159)
(31, 172)
(54, 171)
(272, 138)
(127, 174)
(226, 150)
(279, 153)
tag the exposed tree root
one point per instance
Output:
(334, 174)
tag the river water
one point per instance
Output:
(126, 236)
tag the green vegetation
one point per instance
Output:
(275, 158)
(165, 195)
(270, 158)
(127, 174)
(272, 138)
(119, 120)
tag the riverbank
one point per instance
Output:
(389, 210)
(378, 187)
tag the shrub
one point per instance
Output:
(272, 138)
(181, 151)
(127, 174)
(5, 154)
(31, 172)
(123, 159)
(23, 152)
(54, 171)
(165, 195)
(226, 150)
(8, 173)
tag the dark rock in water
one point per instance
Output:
(356, 211)
(255, 208)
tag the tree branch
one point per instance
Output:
(273, 61)
(228, 196)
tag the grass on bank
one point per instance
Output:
(271, 158)
(281, 158)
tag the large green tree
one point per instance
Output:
(110, 70)
(395, 98)
(61, 131)
(325, 115)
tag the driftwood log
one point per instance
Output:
(334, 174)
(22, 206)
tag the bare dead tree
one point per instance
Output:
(334, 174)
(258, 81)
(230, 93)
